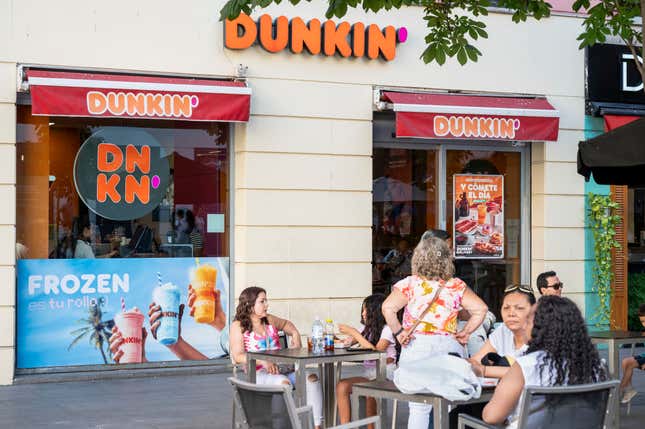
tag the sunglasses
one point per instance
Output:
(522, 288)
(557, 286)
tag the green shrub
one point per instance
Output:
(636, 297)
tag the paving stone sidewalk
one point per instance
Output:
(185, 401)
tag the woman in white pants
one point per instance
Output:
(254, 329)
(436, 333)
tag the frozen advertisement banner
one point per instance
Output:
(478, 228)
(68, 307)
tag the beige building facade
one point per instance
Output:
(302, 167)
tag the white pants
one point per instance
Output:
(369, 372)
(423, 347)
(314, 389)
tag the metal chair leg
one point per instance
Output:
(337, 379)
(395, 404)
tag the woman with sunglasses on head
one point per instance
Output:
(510, 340)
(559, 353)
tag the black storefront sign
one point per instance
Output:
(612, 76)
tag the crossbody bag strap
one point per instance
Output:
(427, 310)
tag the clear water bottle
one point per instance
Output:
(329, 335)
(317, 341)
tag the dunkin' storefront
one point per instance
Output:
(122, 201)
(169, 155)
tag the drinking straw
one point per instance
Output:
(197, 261)
(159, 278)
(122, 304)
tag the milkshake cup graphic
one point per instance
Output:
(130, 323)
(203, 283)
(167, 298)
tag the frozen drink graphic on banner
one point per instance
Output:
(478, 227)
(71, 310)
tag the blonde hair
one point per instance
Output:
(432, 259)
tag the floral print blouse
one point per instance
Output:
(442, 318)
(254, 342)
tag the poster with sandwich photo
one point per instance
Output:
(478, 227)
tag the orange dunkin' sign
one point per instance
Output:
(477, 127)
(326, 38)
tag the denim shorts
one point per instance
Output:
(641, 360)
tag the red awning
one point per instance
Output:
(614, 121)
(56, 93)
(473, 117)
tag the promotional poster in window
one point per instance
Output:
(478, 227)
(164, 309)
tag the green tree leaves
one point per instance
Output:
(609, 17)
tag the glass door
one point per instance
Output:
(405, 204)
(484, 192)
(413, 191)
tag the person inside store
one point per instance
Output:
(559, 353)
(548, 283)
(182, 349)
(436, 333)
(399, 260)
(254, 329)
(438, 233)
(631, 363)
(508, 341)
(83, 248)
(194, 236)
(181, 227)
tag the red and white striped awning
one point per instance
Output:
(473, 117)
(55, 93)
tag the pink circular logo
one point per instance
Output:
(402, 34)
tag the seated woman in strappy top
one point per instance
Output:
(254, 329)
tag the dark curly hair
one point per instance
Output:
(375, 320)
(245, 305)
(560, 331)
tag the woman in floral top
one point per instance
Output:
(432, 268)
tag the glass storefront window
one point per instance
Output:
(489, 277)
(119, 223)
(413, 192)
(404, 207)
(55, 220)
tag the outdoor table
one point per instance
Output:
(388, 390)
(300, 358)
(614, 339)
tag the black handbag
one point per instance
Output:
(493, 359)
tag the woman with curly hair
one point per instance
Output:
(254, 329)
(373, 334)
(559, 353)
(429, 325)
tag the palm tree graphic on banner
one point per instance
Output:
(99, 331)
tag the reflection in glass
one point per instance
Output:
(52, 220)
